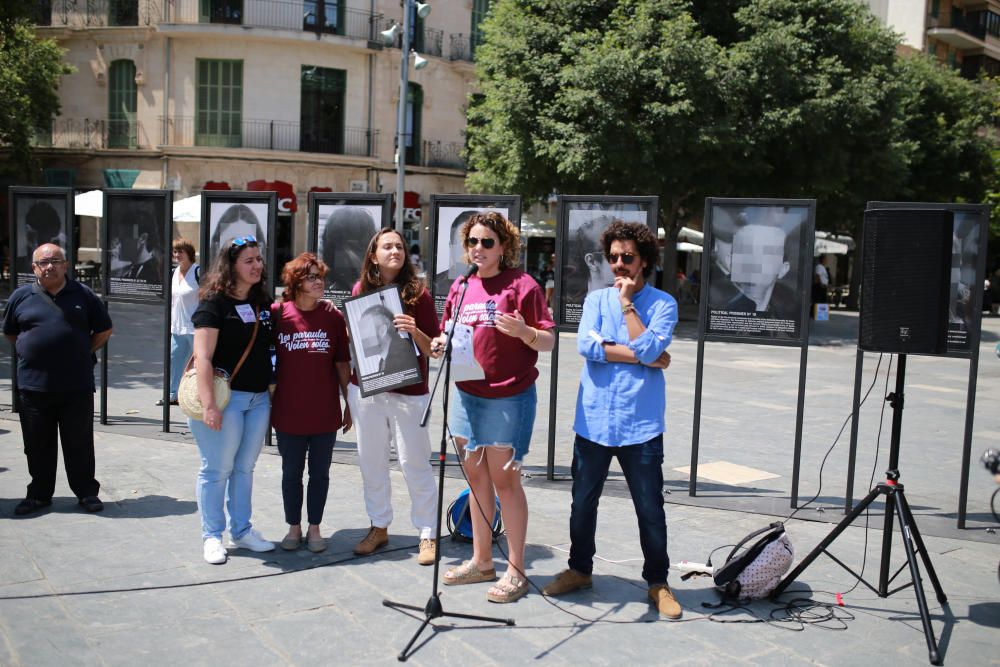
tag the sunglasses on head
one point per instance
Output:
(241, 241)
(626, 257)
(472, 242)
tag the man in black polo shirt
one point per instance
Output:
(56, 325)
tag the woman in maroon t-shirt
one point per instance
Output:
(313, 371)
(493, 418)
(395, 415)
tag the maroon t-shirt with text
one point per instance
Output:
(509, 364)
(308, 344)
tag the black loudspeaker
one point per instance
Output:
(905, 280)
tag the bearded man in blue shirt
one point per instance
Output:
(623, 336)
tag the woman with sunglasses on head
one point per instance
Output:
(313, 372)
(232, 333)
(492, 418)
(395, 415)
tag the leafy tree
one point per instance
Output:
(30, 69)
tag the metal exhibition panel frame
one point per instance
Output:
(136, 236)
(756, 281)
(229, 214)
(581, 268)
(451, 212)
(340, 227)
(50, 214)
(971, 234)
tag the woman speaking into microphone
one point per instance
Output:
(493, 418)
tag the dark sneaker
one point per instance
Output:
(661, 596)
(92, 504)
(567, 581)
(29, 505)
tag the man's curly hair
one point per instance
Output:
(644, 239)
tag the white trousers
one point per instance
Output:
(379, 420)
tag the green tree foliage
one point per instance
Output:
(30, 70)
(688, 98)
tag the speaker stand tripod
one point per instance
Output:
(432, 609)
(895, 506)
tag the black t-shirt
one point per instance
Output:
(235, 319)
(53, 347)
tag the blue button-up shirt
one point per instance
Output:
(623, 404)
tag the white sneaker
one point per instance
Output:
(253, 541)
(214, 552)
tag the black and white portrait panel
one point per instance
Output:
(343, 234)
(449, 252)
(39, 220)
(384, 358)
(231, 220)
(135, 245)
(965, 278)
(585, 268)
(756, 269)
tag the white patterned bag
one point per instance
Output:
(755, 572)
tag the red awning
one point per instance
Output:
(216, 185)
(287, 203)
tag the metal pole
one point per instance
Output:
(404, 80)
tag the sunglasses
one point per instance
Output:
(244, 241)
(627, 258)
(472, 242)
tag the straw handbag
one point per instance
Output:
(187, 391)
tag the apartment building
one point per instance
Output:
(293, 95)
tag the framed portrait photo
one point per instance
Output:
(136, 238)
(384, 358)
(341, 225)
(448, 214)
(581, 266)
(38, 216)
(757, 269)
(227, 215)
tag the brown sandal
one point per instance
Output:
(468, 573)
(510, 588)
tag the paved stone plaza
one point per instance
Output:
(129, 586)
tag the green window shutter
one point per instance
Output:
(479, 10)
(414, 112)
(321, 127)
(219, 103)
(121, 128)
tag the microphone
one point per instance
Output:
(469, 272)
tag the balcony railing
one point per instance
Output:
(461, 48)
(98, 13)
(446, 154)
(310, 15)
(93, 134)
(277, 135)
(978, 24)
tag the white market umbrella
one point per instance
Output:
(90, 204)
(188, 210)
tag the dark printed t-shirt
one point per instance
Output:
(509, 364)
(53, 348)
(309, 343)
(235, 319)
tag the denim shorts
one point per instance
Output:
(495, 422)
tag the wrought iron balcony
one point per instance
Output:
(445, 154)
(93, 134)
(278, 135)
(97, 13)
(321, 16)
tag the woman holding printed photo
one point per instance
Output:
(395, 415)
(492, 418)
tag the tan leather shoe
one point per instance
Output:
(665, 602)
(428, 550)
(567, 581)
(374, 540)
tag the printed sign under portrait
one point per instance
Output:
(232, 215)
(448, 215)
(38, 216)
(583, 267)
(759, 269)
(341, 225)
(968, 270)
(384, 358)
(136, 246)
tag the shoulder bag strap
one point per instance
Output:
(246, 352)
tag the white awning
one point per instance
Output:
(188, 210)
(684, 246)
(828, 247)
(90, 204)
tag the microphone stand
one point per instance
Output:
(432, 609)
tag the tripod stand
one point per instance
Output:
(432, 608)
(895, 505)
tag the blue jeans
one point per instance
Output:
(181, 347)
(293, 448)
(228, 457)
(643, 468)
